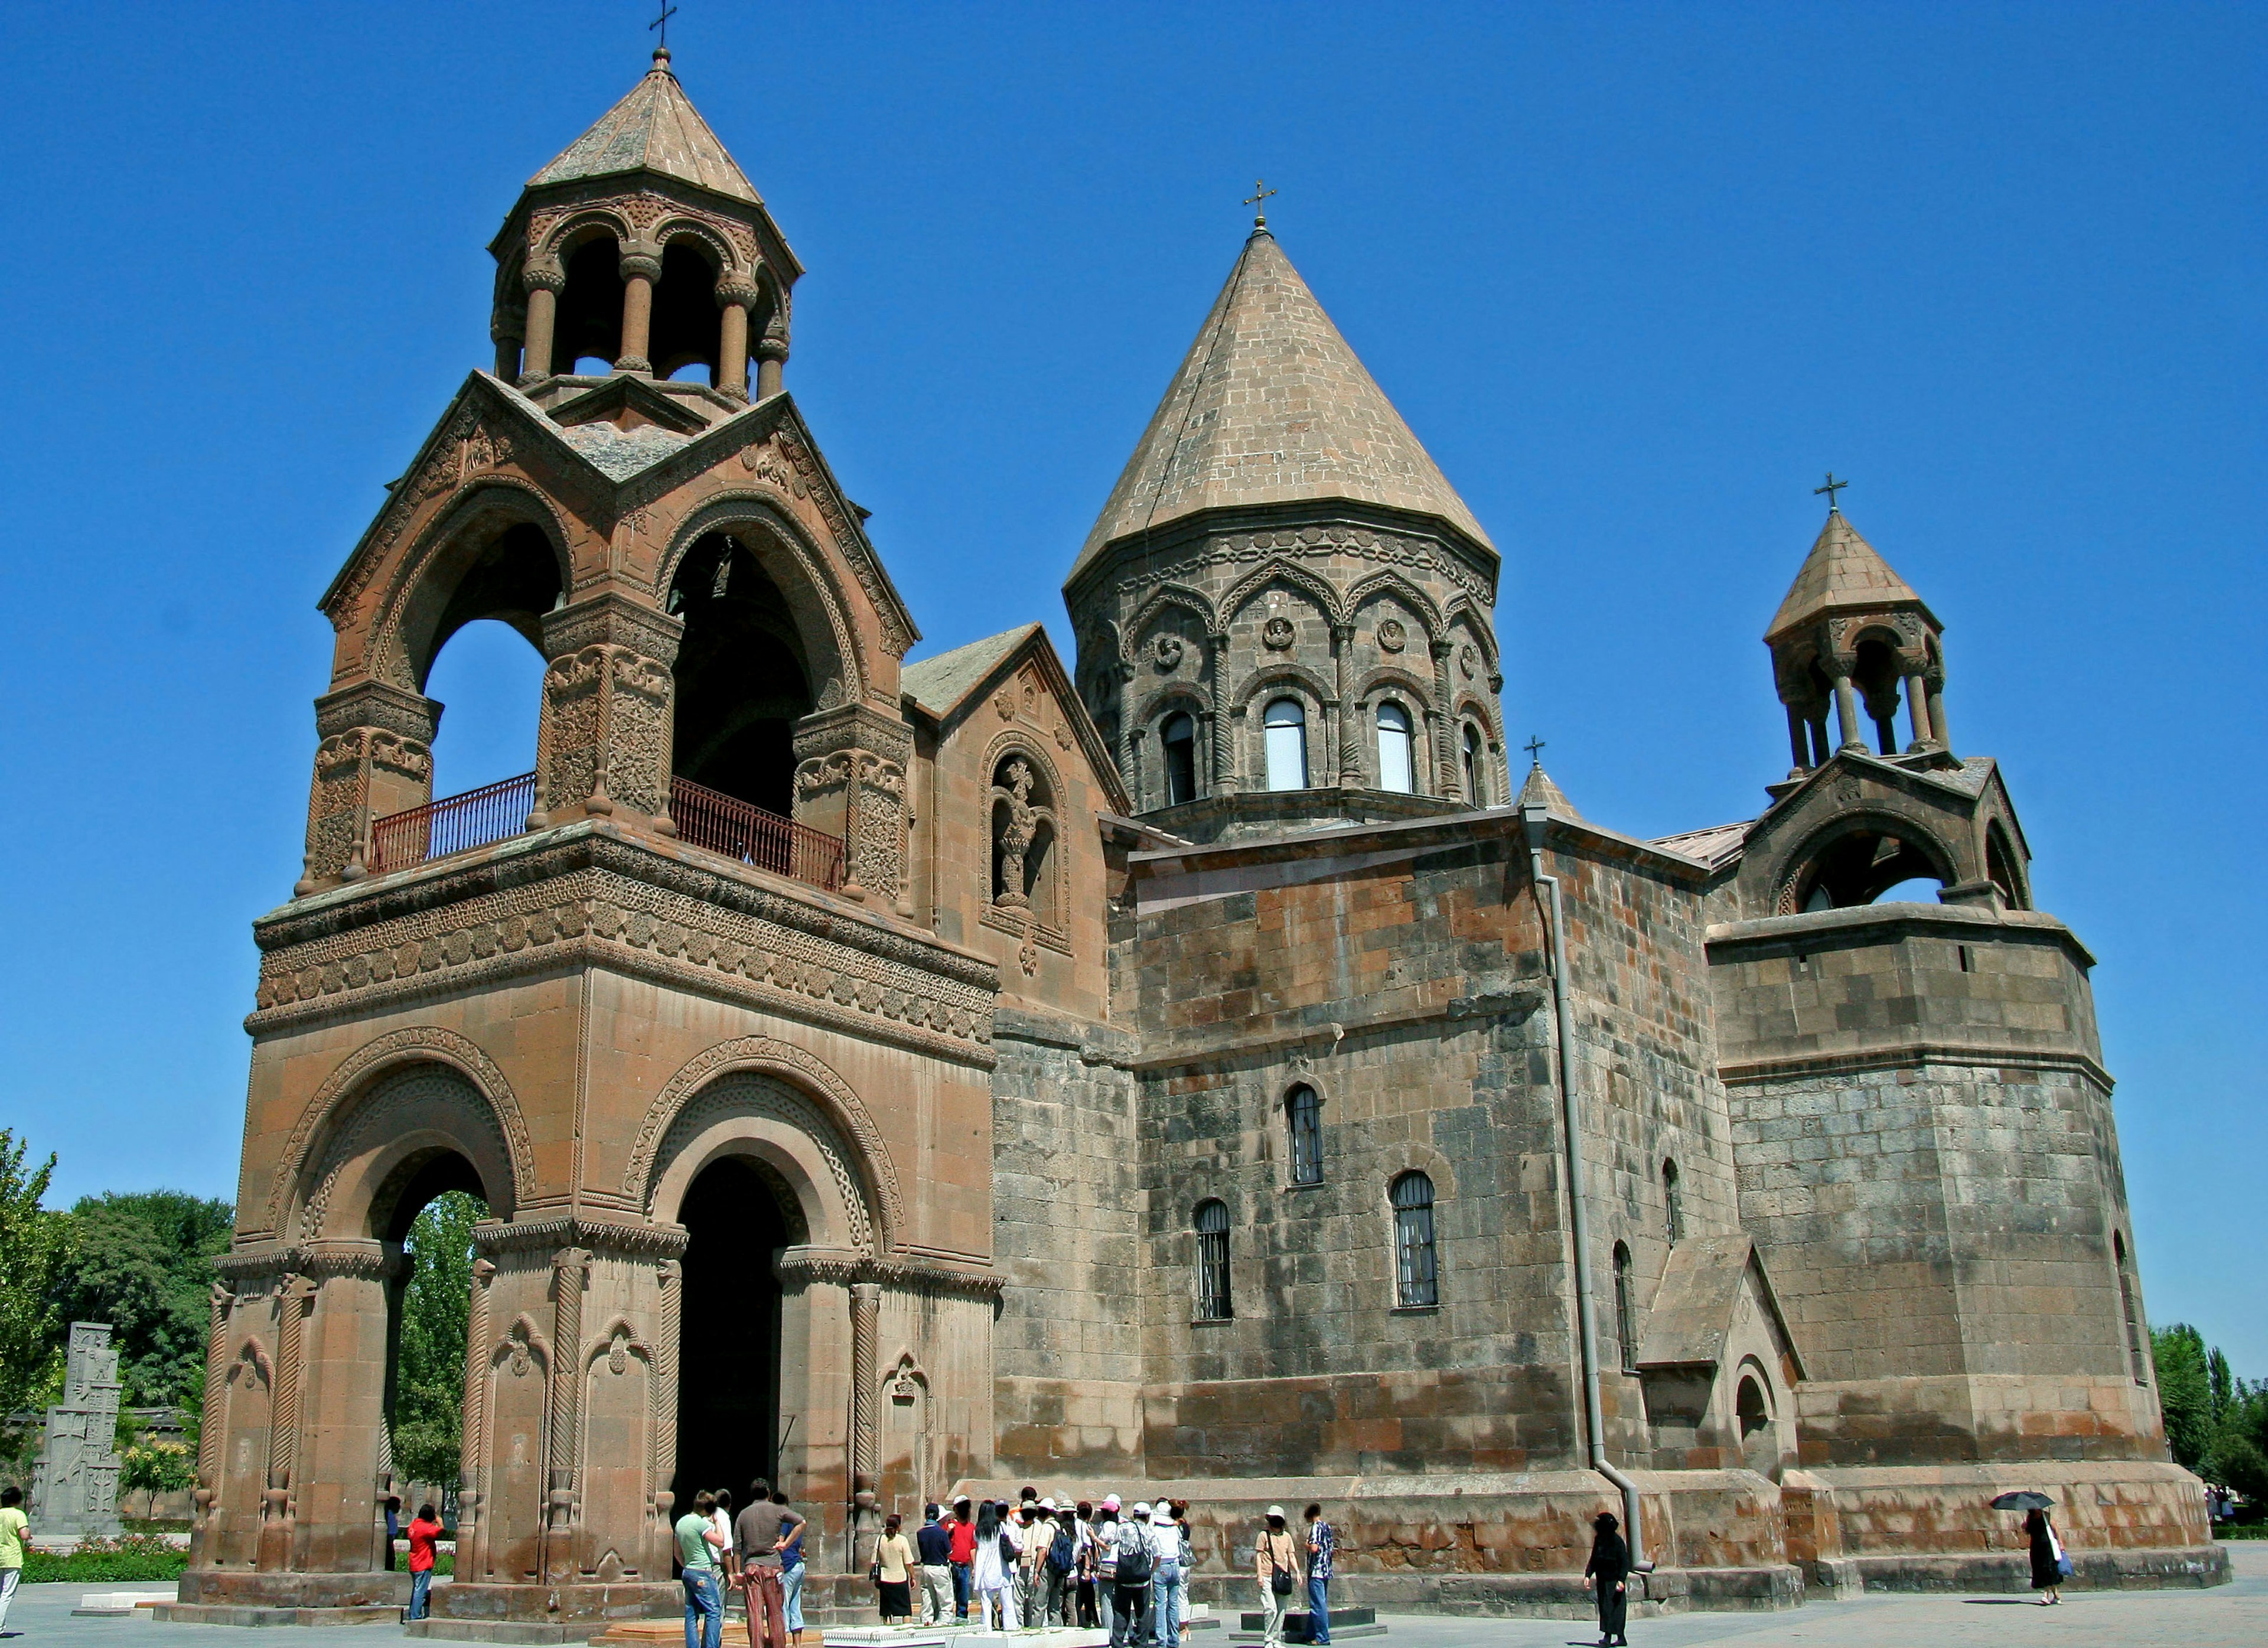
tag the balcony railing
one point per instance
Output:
(493, 812)
(704, 818)
(720, 823)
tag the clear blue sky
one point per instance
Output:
(1636, 275)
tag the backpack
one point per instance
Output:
(1063, 1552)
(1134, 1564)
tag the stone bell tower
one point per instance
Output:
(659, 1001)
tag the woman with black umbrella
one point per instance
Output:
(1609, 1566)
(2047, 1556)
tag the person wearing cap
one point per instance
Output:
(1057, 1567)
(934, 1546)
(1169, 1583)
(1034, 1533)
(1138, 1566)
(1276, 1565)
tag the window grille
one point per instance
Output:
(1625, 1317)
(1213, 1303)
(1304, 1112)
(1672, 1207)
(1416, 1272)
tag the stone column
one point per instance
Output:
(1846, 707)
(605, 740)
(221, 1301)
(1346, 756)
(471, 1456)
(736, 295)
(669, 1276)
(294, 1297)
(1820, 750)
(850, 782)
(1798, 738)
(1918, 709)
(1225, 781)
(1439, 720)
(865, 1475)
(544, 282)
(353, 1286)
(505, 331)
(1936, 684)
(570, 1273)
(374, 756)
(640, 271)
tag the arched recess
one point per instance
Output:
(2004, 867)
(688, 326)
(1027, 866)
(1291, 577)
(498, 551)
(404, 1139)
(776, 1104)
(1189, 600)
(813, 590)
(1855, 858)
(588, 329)
(456, 1093)
(1421, 606)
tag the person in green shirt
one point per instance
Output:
(698, 1542)
(14, 1527)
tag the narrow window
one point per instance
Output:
(1416, 1280)
(1287, 733)
(1476, 768)
(1212, 1262)
(1304, 1114)
(1625, 1321)
(1962, 951)
(1671, 1205)
(2134, 1317)
(1393, 764)
(1179, 738)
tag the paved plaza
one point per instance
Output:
(2233, 1616)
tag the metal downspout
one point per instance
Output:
(1534, 819)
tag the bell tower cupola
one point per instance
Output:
(643, 250)
(1852, 639)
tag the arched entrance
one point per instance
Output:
(737, 1215)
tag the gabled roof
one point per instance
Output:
(654, 129)
(946, 688)
(1692, 1313)
(939, 684)
(1843, 573)
(1270, 405)
(1711, 846)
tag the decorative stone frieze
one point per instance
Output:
(850, 781)
(375, 757)
(607, 706)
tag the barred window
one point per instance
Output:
(1416, 1280)
(1304, 1116)
(1671, 1206)
(1625, 1317)
(1213, 1303)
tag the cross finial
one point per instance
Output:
(1259, 203)
(1535, 748)
(1832, 487)
(661, 24)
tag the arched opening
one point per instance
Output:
(1285, 730)
(1672, 1206)
(1476, 766)
(687, 325)
(429, 1309)
(491, 683)
(1750, 1409)
(2000, 867)
(1024, 869)
(737, 1213)
(1415, 1264)
(511, 575)
(1876, 679)
(1625, 1310)
(1213, 1303)
(742, 678)
(1395, 769)
(1303, 1116)
(1863, 865)
(1179, 740)
(588, 333)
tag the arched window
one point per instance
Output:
(1179, 736)
(687, 325)
(1476, 767)
(1672, 1210)
(2126, 1302)
(1748, 1405)
(1303, 1116)
(587, 333)
(742, 677)
(1415, 1276)
(1625, 1314)
(1212, 1262)
(1394, 768)
(1285, 729)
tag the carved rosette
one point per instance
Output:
(606, 710)
(850, 780)
(375, 757)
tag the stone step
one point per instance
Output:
(244, 1614)
(1350, 1622)
(118, 1604)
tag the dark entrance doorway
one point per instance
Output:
(728, 1416)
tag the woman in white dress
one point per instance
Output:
(995, 1596)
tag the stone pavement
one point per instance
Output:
(2229, 1616)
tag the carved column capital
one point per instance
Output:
(542, 275)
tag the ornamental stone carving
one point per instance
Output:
(1392, 637)
(1276, 634)
(850, 781)
(1166, 651)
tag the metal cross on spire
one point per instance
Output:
(1832, 487)
(1535, 748)
(661, 24)
(1259, 203)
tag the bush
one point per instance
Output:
(99, 1561)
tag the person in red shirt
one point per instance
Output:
(424, 1528)
(963, 1530)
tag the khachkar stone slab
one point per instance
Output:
(75, 1484)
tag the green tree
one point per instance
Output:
(145, 1266)
(2184, 1392)
(429, 1401)
(34, 1248)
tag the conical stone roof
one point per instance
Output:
(655, 128)
(1539, 790)
(1271, 407)
(1843, 573)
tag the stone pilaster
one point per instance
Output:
(570, 1273)
(607, 710)
(222, 1304)
(669, 1277)
(472, 1457)
(294, 1298)
(850, 781)
(375, 756)
(866, 1473)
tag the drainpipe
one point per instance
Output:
(1534, 819)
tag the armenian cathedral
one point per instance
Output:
(1209, 1065)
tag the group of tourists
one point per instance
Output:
(758, 1553)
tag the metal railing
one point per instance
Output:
(724, 824)
(493, 812)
